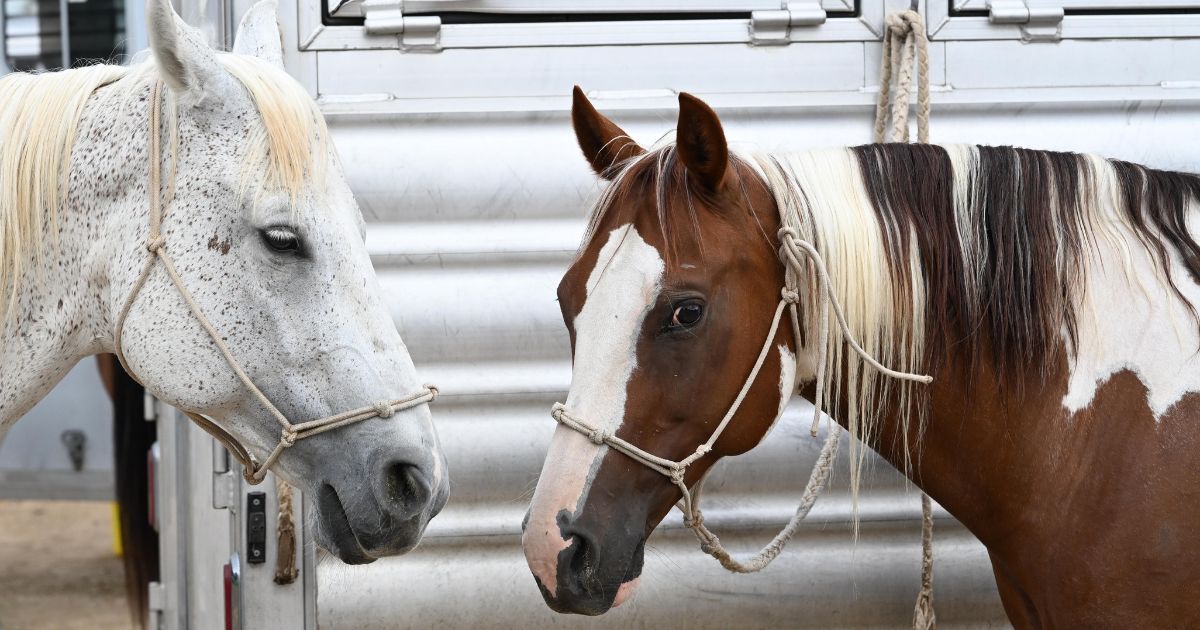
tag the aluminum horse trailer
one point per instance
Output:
(451, 117)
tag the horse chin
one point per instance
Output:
(337, 535)
(335, 532)
(626, 591)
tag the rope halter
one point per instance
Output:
(253, 470)
(793, 253)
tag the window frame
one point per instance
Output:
(853, 20)
(959, 20)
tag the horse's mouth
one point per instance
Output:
(338, 533)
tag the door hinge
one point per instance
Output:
(156, 597)
(416, 32)
(1038, 24)
(149, 407)
(775, 27)
(225, 487)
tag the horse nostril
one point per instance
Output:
(583, 558)
(406, 488)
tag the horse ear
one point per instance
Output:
(186, 63)
(700, 141)
(258, 34)
(603, 142)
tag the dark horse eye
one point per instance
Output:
(687, 315)
(281, 239)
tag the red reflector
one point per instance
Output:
(228, 596)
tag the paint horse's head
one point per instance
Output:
(667, 304)
(267, 238)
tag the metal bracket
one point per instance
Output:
(149, 408)
(156, 597)
(416, 33)
(1038, 24)
(775, 27)
(225, 486)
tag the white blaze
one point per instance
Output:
(621, 289)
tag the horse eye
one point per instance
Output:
(687, 315)
(281, 239)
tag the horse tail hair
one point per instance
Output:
(132, 438)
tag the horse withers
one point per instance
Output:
(190, 215)
(1050, 295)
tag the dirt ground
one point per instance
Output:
(58, 569)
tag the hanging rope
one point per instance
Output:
(904, 39)
(285, 533)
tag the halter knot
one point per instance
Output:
(789, 295)
(597, 436)
(556, 412)
(692, 522)
(384, 409)
(703, 450)
(677, 475)
(155, 244)
(288, 439)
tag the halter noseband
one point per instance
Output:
(253, 471)
(793, 251)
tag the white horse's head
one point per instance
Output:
(267, 238)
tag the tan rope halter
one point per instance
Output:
(253, 471)
(793, 252)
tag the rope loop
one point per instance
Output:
(155, 244)
(384, 409)
(902, 23)
(434, 392)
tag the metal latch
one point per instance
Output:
(775, 26)
(1038, 24)
(386, 17)
(256, 527)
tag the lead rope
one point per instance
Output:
(156, 248)
(905, 35)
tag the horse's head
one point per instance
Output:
(668, 304)
(267, 238)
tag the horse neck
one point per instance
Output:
(64, 310)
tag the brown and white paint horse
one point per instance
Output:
(1049, 294)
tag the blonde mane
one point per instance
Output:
(39, 123)
(884, 310)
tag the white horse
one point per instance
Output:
(285, 322)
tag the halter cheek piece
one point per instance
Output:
(253, 471)
(793, 251)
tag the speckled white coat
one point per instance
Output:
(312, 330)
